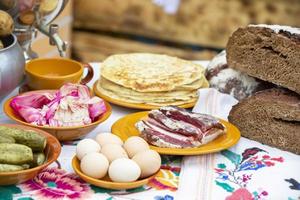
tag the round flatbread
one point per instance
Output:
(185, 90)
(121, 93)
(145, 72)
(158, 102)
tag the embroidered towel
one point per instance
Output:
(249, 170)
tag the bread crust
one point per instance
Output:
(271, 117)
(267, 55)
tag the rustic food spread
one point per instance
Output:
(177, 128)
(259, 71)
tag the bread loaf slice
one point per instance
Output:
(267, 52)
(271, 117)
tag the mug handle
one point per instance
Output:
(89, 75)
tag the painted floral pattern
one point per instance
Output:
(7, 192)
(166, 179)
(166, 197)
(54, 183)
(168, 176)
(235, 179)
(295, 185)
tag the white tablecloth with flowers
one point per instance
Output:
(248, 170)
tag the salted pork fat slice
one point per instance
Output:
(175, 127)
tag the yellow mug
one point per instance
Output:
(52, 73)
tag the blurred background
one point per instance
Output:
(191, 29)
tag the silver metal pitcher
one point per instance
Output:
(12, 64)
(26, 31)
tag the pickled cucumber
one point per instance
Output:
(10, 168)
(25, 166)
(29, 138)
(38, 159)
(6, 139)
(15, 154)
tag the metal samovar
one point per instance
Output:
(29, 16)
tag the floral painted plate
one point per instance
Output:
(106, 182)
(125, 127)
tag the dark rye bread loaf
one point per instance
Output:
(267, 52)
(271, 117)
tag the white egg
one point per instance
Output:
(86, 146)
(134, 145)
(113, 152)
(124, 170)
(149, 161)
(94, 165)
(108, 138)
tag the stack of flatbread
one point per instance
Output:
(151, 79)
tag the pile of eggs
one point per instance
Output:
(123, 162)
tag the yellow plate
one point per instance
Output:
(106, 182)
(140, 106)
(125, 127)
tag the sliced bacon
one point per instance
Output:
(152, 134)
(203, 121)
(177, 128)
(174, 125)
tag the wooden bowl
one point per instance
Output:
(52, 151)
(61, 133)
(106, 182)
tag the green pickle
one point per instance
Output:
(38, 159)
(28, 138)
(15, 154)
(6, 139)
(11, 168)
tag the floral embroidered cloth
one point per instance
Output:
(247, 171)
(57, 183)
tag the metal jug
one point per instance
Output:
(29, 17)
(12, 64)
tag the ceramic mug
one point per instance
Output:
(52, 73)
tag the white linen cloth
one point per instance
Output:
(267, 174)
